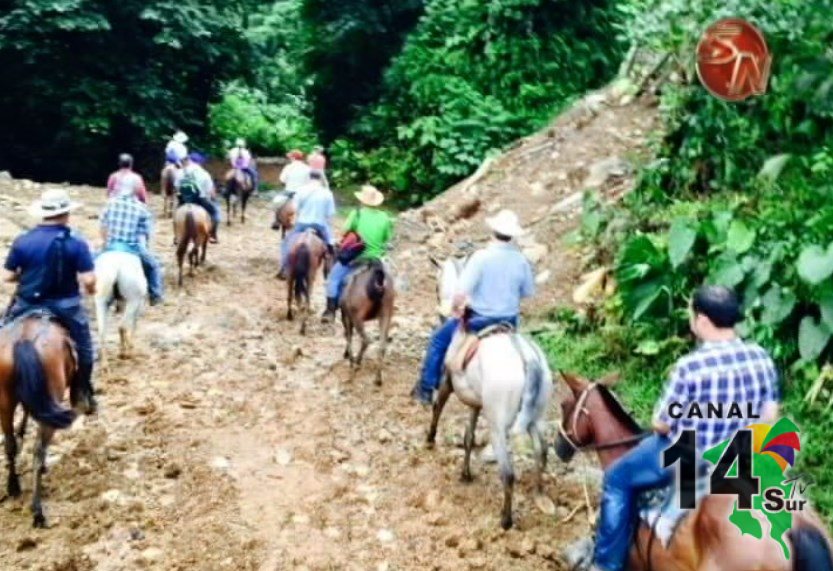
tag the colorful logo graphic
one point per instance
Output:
(733, 61)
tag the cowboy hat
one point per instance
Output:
(240, 143)
(180, 137)
(369, 196)
(505, 223)
(53, 202)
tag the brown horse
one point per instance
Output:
(192, 226)
(239, 187)
(369, 294)
(37, 363)
(166, 185)
(308, 253)
(592, 419)
(285, 213)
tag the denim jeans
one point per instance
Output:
(638, 470)
(432, 367)
(153, 273)
(299, 229)
(335, 283)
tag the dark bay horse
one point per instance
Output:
(192, 226)
(307, 254)
(166, 186)
(239, 187)
(368, 294)
(37, 363)
(592, 419)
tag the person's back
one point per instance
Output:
(126, 180)
(240, 158)
(375, 228)
(496, 278)
(126, 221)
(49, 248)
(315, 203)
(295, 175)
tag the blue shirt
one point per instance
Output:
(724, 373)
(496, 279)
(28, 256)
(315, 205)
(127, 221)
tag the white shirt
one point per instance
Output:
(179, 149)
(295, 175)
(204, 180)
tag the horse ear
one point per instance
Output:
(610, 379)
(575, 382)
(434, 261)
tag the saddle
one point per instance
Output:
(459, 361)
(9, 320)
(660, 509)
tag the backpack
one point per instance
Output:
(189, 188)
(351, 245)
(51, 274)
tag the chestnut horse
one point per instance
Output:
(306, 255)
(368, 294)
(192, 226)
(592, 419)
(239, 187)
(285, 212)
(168, 190)
(37, 363)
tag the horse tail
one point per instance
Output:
(536, 384)
(190, 233)
(32, 388)
(301, 269)
(811, 551)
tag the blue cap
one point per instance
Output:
(197, 158)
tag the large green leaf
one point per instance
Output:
(681, 240)
(826, 307)
(740, 238)
(778, 303)
(726, 271)
(773, 166)
(815, 264)
(812, 338)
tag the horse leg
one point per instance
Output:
(13, 485)
(360, 327)
(468, 443)
(204, 250)
(290, 287)
(507, 472)
(348, 335)
(540, 446)
(384, 333)
(38, 469)
(101, 312)
(21, 428)
(446, 388)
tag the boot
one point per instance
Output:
(330, 313)
(81, 389)
(213, 236)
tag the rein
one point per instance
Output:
(574, 418)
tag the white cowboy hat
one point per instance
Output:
(53, 202)
(505, 223)
(240, 143)
(180, 137)
(370, 196)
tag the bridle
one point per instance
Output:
(575, 416)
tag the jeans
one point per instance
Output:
(432, 367)
(72, 316)
(153, 273)
(252, 173)
(639, 470)
(335, 284)
(299, 229)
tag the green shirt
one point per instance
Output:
(375, 228)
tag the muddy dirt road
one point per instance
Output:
(231, 442)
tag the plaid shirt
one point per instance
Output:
(127, 221)
(719, 372)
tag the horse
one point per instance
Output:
(37, 363)
(192, 225)
(594, 420)
(368, 294)
(307, 254)
(239, 187)
(122, 269)
(285, 212)
(508, 378)
(166, 185)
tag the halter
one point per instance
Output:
(573, 421)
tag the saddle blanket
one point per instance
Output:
(459, 361)
(660, 509)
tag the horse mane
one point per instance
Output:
(618, 411)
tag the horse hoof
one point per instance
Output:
(39, 521)
(467, 478)
(378, 381)
(506, 522)
(14, 488)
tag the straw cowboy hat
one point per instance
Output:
(53, 202)
(369, 196)
(180, 137)
(505, 223)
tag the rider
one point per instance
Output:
(315, 209)
(194, 185)
(126, 178)
(723, 369)
(492, 284)
(317, 161)
(126, 225)
(49, 263)
(296, 173)
(375, 228)
(176, 152)
(241, 158)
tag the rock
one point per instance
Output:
(113, 497)
(578, 554)
(27, 543)
(536, 252)
(432, 500)
(5, 175)
(546, 551)
(471, 545)
(543, 277)
(437, 519)
(537, 188)
(562, 512)
(545, 504)
(602, 170)
(384, 436)
(478, 563)
(452, 541)
(152, 555)
(595, 102)
(172, 471)
(385, 566)
(385, 536)
(283, 457)
(220, 463)
(487, 455)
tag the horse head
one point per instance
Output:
(449, 272)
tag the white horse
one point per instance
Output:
(509, 380)
(122, 269)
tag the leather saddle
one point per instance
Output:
(459, 361)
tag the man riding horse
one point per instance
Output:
(194, 185)
(126, 178)
(724, 369)
(176, 151)
(126, 226)
(316, 208)
(492, 285)
(375, 229)
(48, 263)
(241, 159)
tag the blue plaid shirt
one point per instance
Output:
(724, 372)
(127, 221)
